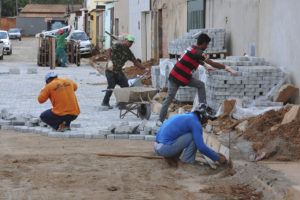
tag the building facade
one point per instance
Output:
(275, 35)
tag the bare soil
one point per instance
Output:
(38, 167)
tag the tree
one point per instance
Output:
(9, 6)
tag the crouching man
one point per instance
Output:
(183, 132)
(61, 92)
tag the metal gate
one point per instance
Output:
(196, 14)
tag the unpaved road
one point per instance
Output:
(23, 51)
(37, 167)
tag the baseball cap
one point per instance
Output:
(130, 38)
(50, 75)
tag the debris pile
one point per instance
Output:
(134, 71)
(274, 134)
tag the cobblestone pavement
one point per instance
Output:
(19, 94)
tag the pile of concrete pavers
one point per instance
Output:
(216, 45)
(254, 81)
(144, 130)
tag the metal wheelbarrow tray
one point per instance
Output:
(135, 98)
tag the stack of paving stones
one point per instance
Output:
(144, 130)
(216, 45)
(254, 80)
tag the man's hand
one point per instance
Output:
(232, 71)
(222, 159)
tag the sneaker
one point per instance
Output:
(61, 127)
(107, 105)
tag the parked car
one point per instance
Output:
(1, 50)
(7, 43)
(15, 33)
(85, 43)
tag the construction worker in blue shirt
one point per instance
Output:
(183, 132)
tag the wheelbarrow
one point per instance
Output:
(135, 100)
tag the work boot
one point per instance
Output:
(61, 127)
(107, 105)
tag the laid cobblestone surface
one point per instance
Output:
(19, 94)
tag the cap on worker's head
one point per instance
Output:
(204, 112)
(50, 75)
(60, 32)
(130, 38)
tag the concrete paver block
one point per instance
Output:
(150, 138)
(14, 71)
(121, 136)
(104, 132)
(76, 135)
(32, 71)
(99, 136)
(53, 134)
(111, 136)
(136, 137)
(75, 125)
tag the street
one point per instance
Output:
(23, 51)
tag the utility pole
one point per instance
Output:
(16, 7)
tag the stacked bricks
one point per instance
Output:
(252, 82)
(216, 45)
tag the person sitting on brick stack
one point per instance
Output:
(181, 74)
(61, 92)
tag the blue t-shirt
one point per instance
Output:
(181, 124)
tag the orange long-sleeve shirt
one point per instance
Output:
(61, 92)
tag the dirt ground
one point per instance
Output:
(37, 167)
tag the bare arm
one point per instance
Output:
(215, 64)
(70, 29)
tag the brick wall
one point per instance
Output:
(7, 23)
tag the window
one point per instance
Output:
(196, 14)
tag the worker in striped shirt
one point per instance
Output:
(181, 74)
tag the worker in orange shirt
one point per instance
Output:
(61, 92)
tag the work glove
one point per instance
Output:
(109, 65)
(208, 67)
(232, 71)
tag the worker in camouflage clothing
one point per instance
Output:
(118, 55)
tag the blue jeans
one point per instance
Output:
(54, 120)
(61, 53)
(184, 142)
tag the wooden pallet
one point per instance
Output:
(46, 52)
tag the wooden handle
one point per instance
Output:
(128, 155)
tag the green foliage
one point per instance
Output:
(9, 6)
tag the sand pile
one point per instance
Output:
(280, 140)
(133, 71)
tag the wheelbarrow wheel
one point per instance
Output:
(144, 111)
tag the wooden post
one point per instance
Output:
(53, 63)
